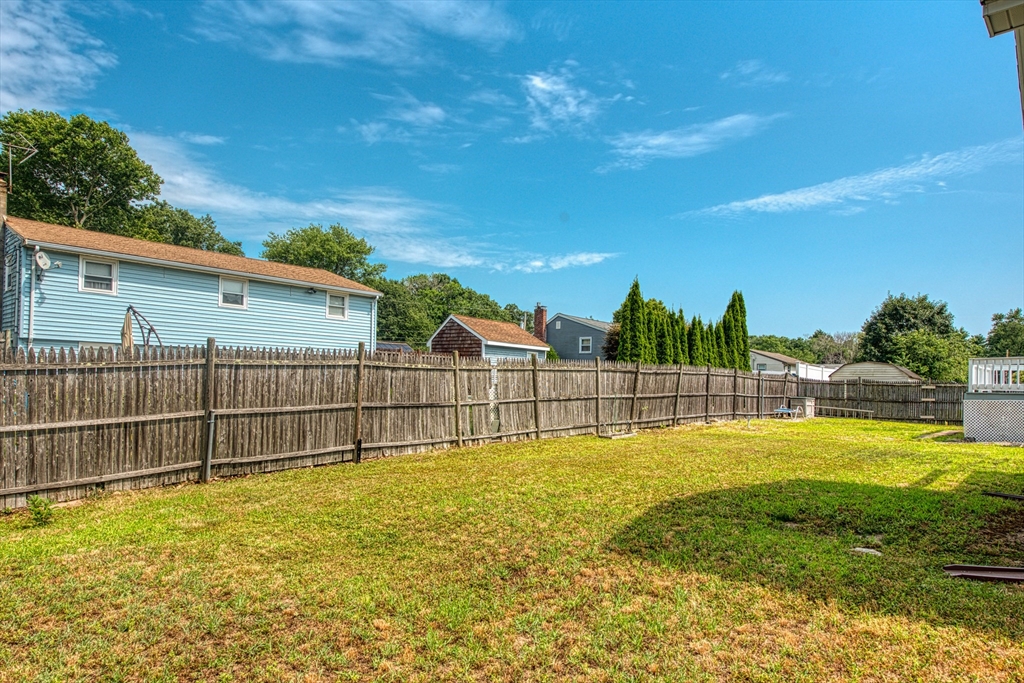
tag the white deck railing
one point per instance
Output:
(996, 375)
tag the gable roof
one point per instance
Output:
(872, 363)
(590, 322)
(782, 358)
(88, 241)
(495, 332)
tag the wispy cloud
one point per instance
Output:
(555, 101)
(393, 32)
(847, 196)
(754, 72)
(540, 264)
(405, 119)
(202, 139)
(403, 228)
(442, 169)
(46, 57)
(636, 150)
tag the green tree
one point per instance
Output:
(634, 339)
(334, 249)
(682, 342)
(161, 222)
(839, 347)
(85, 174)
(1006, 338)
(443, 295)
(662, 336)
(610, 347)
(400, 315)
(942, 358)
(695, 342)
(723, 350)
(897, 316)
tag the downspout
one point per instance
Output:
(32, 299)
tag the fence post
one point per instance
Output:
(735, 391)
(860, 386)
(760, 396)
(357, 432)
(209, 379)
(679, 389)
(458, 398)
(597, 380)
(635, 405)
(707, 395)
(536, 396)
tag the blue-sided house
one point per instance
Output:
(70, 288)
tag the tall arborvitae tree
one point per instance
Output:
(695, 341)
(725, 329)
(744, 335)
(664, 334)
(634, 342)
(710, 350)
(723, 350)
(682, 344)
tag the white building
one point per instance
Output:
(780, 364)
(994, 402)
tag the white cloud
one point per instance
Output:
(403, 228)
(46, 57)
(636, 150)
(492, 98)
(846, 196)
(555, 102)
(540, 264)
(201, 139)
(440, 168)
(393, 32)
(753, 72)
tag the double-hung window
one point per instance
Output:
(586, 344)
(337, 306)
(98, 276)
(234, 293)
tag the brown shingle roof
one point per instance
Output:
(502, 333)
(75, 238)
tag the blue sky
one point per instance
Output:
(814, 155)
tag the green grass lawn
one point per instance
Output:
(698, 553)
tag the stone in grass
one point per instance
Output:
(865, 551)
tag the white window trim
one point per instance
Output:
(245, 293)
(558, 324)
(327, 305)
(590, 341)
(81, 275)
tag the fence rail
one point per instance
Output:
(71, 424)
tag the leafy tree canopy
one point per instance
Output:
(898, 315)
(333, 248)
(942, 358)
(1007, 334)
(85, 174)
(161, 222)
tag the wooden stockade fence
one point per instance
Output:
(72, 424)
(903, 401)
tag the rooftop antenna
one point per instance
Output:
(26, 148)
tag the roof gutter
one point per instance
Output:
(188, 266)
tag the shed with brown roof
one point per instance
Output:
(478, 337)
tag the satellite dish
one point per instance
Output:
(42, 260)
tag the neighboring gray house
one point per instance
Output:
(575, 338)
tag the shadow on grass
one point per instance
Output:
(798, 535)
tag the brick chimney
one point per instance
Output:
(540, 322)
(3, 194)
